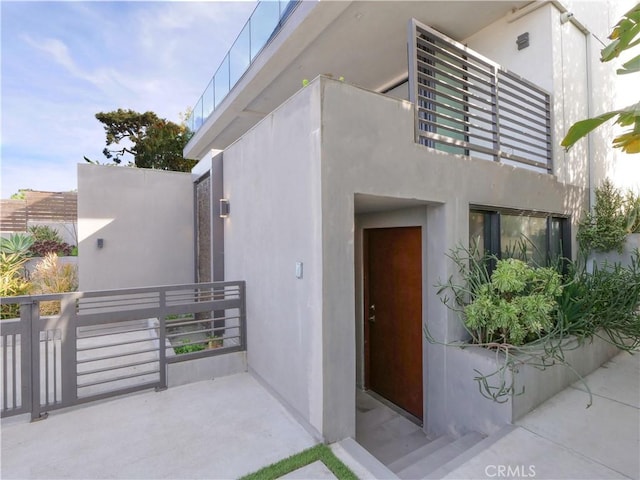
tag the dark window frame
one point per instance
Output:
(492, 226)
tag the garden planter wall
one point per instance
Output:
(632, 243)
(33, 261)
(206, 368)
(469, 410)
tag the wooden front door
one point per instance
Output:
(393, 315)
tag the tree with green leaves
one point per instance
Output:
(148, 140)
(625, 35)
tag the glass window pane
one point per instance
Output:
(286, 7)
(221, 81)
(263, 22)
(555, 239)
(239, 55)
(476, 233)
(197, 114)
(524, 237)
(207, 101)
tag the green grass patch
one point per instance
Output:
(294, 462)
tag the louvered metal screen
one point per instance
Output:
(468, 105)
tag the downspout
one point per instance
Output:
(592, 194)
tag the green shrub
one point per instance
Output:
(210, 342)
(516, 305)
(609, 301)
(187, 347)
(44, 233)
(604, 229)
(528, 313)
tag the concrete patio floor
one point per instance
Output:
(223, 428)
(562, 439)
(232, 426)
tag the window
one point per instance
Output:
(542, 238)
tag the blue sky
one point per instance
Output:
(62, 62)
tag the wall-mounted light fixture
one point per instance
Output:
(100, 242)
(224, 208)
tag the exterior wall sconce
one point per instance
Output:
(224, 208)
(100, 243)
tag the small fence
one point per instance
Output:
(38, 206)
(110, 343)
(468, 105)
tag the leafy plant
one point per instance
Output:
(12, 282)
(52, 276)
(625, 35)
(187, 346)
(514, 305)
(41, 248)
(610, 302)
(17, 243)
(560, 313)
(604, 229)
(44, 233)
(633, 212)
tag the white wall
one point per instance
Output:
(145, 218)
(272, 181)
(555, 60)
(565, 60)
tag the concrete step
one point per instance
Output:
(422, 468)
(470, 453)
(377, 439)
(360, 461)
(420, 453)
(399, 447)
(373, 418)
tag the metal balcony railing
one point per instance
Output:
(468, 105)
(265, 21)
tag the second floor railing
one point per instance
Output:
(468, 105)
(265, 21)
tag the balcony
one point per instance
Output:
(469, 105)
(325, 37)
(265, 21)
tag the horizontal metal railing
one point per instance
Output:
(469, 105)
(108, 343)
(265, 21)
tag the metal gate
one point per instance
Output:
(108, 343)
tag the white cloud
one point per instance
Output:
(63, 62)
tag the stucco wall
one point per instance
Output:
(368, 148)
(291, 182)
(145, 218)
(272, 181)
(554, 60)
